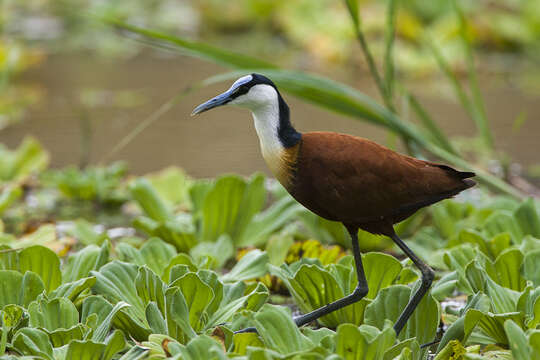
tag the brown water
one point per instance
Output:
(222, 140)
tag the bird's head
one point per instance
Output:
(251, 91)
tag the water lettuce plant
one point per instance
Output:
(227, 213)
(27, 159)
(145, 297)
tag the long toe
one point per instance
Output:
(246, 330)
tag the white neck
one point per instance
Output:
(263, 102)
(266, 120)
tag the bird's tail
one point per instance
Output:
(465, 174)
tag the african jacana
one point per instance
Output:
(344, 178)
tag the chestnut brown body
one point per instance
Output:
(344, 178)
(363, 184)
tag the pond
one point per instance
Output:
(218, 141)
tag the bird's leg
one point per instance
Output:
(359, 292)
(427, 278)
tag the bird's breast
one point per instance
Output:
(282, 163)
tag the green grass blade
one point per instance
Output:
(348, 101)
(197, 49)
(153, 117)
(323, 92)
(430, 125)
(352, 6)
(333, 96)
(480, 109)
(464, 99)
(388, 64)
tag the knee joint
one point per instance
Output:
(360, 291)
(428, 275)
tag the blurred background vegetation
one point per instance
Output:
(81, 86)
(86, 83)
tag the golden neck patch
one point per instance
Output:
(282, 163)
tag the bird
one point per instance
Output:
(343, 178)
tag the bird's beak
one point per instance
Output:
(219, 100)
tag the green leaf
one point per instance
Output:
(179, 232)
(242, 341)
(457, 258)
(155, 253)
(28, 158)
(352, 6)
(381, 271)
(135, 353)
(530, 266)
(220, 251)
(389, 304)
(149, 200)
(518, 341)
(504, 300)
(277, 248)
(506, 270)
(44, 262)
(462, 328)
(313, 286)
(527, 218)
(230, 305)
(114, 343)
(61, 337)
(491, 324)
(252, 203)
(203, 51)
(85, 260)
(364, 342)
(103, 329)
(451, 350)
(45, 234)
(29, 341)
(251, 266)
(172, 184)
(84, 350)
(72, 290)
(95, 311)
(116, 281)
(221, 207)
(180, 259)
(8, 195)
(474, 238)
(9, 258)
(150, 288)
(278, 330)
(502, 221)
(95, 305)
(202, 347)
(59, 313)
(325, 231)
(198, 296)
(155, 319)
(268, 221)
(84, 231)
(534, 342)
(529, 305)
(19, 289)
(11, 315)
(178, 316)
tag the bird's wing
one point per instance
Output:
(347, 178)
